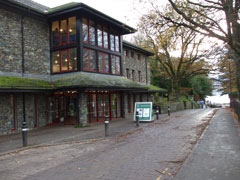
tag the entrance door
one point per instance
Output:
(103, 106)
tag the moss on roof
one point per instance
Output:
(155, 88)
(95, 80)
(10, 82)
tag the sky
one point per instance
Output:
(122, 10)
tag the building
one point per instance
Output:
(66, 65)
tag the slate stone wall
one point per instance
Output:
(7, 111)
(142, 65)
(82, 101)
(36, 44)
(36, 47)
(10, 46)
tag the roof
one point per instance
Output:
(76, 80)
(16, 82)
(93, 80)
(137, 48)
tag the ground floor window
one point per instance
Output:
(102, 104)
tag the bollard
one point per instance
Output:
(168, 111)
(157, 111)
(137, 119)
(24, 133)
(106, 126)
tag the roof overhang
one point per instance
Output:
(137, 48)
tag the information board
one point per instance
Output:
(145, 111)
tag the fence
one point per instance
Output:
(236, 106)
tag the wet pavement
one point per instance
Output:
(153, 151)
(217, 154)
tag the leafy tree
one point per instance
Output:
(202, 86)
(177, 49)
(214, 18)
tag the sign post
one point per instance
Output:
(145, 111)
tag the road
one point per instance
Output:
(154, 151)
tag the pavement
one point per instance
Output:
(59, 134)
(217, 154)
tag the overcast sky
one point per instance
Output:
(122, 10)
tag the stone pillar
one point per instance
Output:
(124, 105)
(83, 111)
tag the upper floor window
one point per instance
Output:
(116, 64)
(126, 53)
(102, 34)
(133, 75)
(103, 62)
(64, 31)
(139, 76)
(64, 60)
(89, 60)
(132, 54)
(127, 73)
(114, 42)
(139, 57)
(88, 31)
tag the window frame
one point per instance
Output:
(89, 60)
(59, 32)
(132, 54)
(139, 76)
(127, 73)
(60, 60)
(133, 75)
(104, 71)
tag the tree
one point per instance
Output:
(202, 86)
(226, 79)
(214, 18)
(177, 49)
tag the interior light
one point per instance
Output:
(70, 30)
(66, 60)
(75, 58)
(56, 62)
(61, 30)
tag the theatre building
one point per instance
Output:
(67, 65)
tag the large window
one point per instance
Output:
(88, 31)
(64, 31)
(103, 62)
(89, 60)
(102, 34)
(64, 60)
(114, 42)
(116, 64)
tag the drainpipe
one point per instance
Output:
(24, 124)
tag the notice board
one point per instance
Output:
(145, 111)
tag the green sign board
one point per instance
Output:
(145, 111)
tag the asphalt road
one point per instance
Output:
(154, 151)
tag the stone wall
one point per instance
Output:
(82, 103)
(10, 46)
(137, 65)
(36, 44)
(7, 103)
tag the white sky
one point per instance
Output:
(121, 10)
